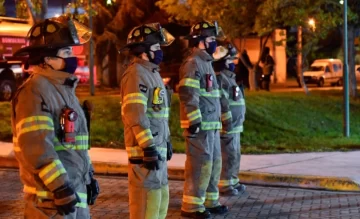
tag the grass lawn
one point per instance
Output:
(275, 123)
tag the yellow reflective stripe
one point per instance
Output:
(16, 147)
(54, 176)
(49, 167)
(82, 143)
(137, 151)
(212, 195)
(41, 194)
(211, 125)
(81, 205)
(144, 136)
(230, 182)
(240, 102)
(193, 200)
(34, 119)
(83, 200)
(163, 113)
(53, 170)
(189, 82)
(184, 123)
(226, 116)
(214, 93)
(136, 96)
(35, 128)
(194, 115)
(235, 130)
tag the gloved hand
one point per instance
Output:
(93, 190)
(65, 199)
(194, 129)
(227, 126)
(152, 158)
(169, 151)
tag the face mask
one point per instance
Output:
(211, 48)
(158, 57)
(219, 65)
(70, 64)
(231, 67)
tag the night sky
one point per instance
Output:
(54, 7)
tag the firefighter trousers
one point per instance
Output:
(148, 192)
(202, 171)
(231, 154)
(35, 209)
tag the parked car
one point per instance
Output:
(325, 71)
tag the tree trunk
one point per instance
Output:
(351, 61)
(299, 64)
(113, 66)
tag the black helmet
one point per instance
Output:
(204, 29)
(148, 34)
(52, 34)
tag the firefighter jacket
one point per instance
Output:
(144, 109)
(199, 92)
(232, 102)
(45, 162)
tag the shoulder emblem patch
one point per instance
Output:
(143, 88)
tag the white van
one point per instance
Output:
(325, 71)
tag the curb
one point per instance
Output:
(247, 177)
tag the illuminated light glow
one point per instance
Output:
(13, 40)
(341, 2)
(166, 80)
(57, 15)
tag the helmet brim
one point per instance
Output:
(29, 49)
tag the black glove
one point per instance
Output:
(93, 190)
(169, 151)
(194, 129)
(65, 199)
(151, 158)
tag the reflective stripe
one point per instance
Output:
(136, 151)
(133, 98)
(226, 116)
(50, 172)
(83, 200)
(211, 125)
(214, 93)
(163, 113)
(224, 93)
(235, 130)
(212, 196)
(144, 136)
(193, 200)
(189, 82)
(82, 143)
(194, 115)
(15, 145)
(184, 124)
(34, 123)
(240, 102)
(230, 182)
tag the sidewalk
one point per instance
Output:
(325, 170)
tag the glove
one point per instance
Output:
(93, 190)
(227, 126)
(152, 158)
(194, 129)
(169, 151)
(65, 199)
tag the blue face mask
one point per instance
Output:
(231, 67)
(70, 64)
(211, 48)
(158, 57)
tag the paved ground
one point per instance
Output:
(259, 202)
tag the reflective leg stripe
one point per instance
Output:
(143, 137)
(50, 172)
(212, 196)
(40, 194)
(83, 200)
(163, 113)
(16, 145)
(34, 123)
(230, 182)
(240, 102)
(137, 152)
(82, 143)
(226, 116)
(194, 115)
(235, 130)
(193, 200)
(211, 125)
(189, 82)
(214, 93)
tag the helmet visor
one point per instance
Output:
(166, 38)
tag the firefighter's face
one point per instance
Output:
(154, 48)
(58, 63)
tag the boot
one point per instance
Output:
(221, 209)
(240, 188)
(230, 192)
(196, 215)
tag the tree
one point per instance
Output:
(2, 8)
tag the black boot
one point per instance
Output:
(221, 209)
(196, 215)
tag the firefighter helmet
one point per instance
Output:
(53, 34)
(148, 34)
(204, 29)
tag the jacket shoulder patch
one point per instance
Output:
(143, 88)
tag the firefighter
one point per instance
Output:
(50, 133)
(232, 117)
(145, 114)
(200, 117)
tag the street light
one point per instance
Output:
(341, 2)
(312, 23)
